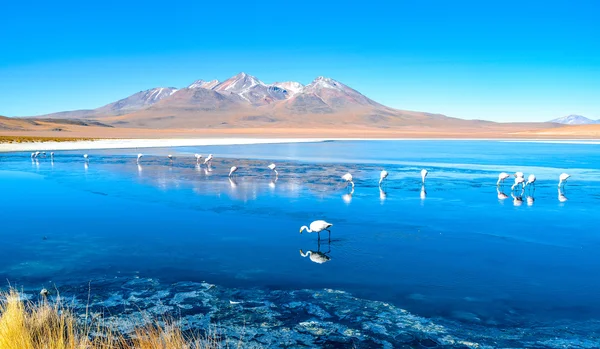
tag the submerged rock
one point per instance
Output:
(301, 318)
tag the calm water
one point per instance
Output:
(454, 251)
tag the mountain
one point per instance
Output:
(575, 120)
(245, 101)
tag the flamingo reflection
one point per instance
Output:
(317, 256)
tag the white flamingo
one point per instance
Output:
(382, 176)
(530, 181)
(518, 180)
(501, 177)
(232, 170)
(563, 179)
(519, 174)
(317, 227)
(198, 158)
(348, 178)
(139, 156)
(272, 168)
(52, 155)
(86, 157)
(37, 153)
(170, 157)
(32, 156)
(424, 173)
(208, 159)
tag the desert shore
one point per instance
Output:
(115, 138)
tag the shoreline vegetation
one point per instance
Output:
(40, 139)
(51, 325)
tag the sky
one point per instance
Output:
(501, 61)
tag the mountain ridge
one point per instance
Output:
(245, 101)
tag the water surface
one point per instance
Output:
(458, 251)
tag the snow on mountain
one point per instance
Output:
(574, 120)
(251, 90)
(204, 84)
(136, 101)
(291, 87)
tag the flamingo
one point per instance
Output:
(232, 170)
(86, 157)
(198, 157)
(348, 178)
(382, 176)
(272, 168)
(32, 156)
(424, 173)
(530, 180)
(518, 180)
(563, 179)
(519, 174)
(139, 156)
(317, 227)
(501, 177)
(170, 157)
(208, 159)
(37, 153)
(52, 155)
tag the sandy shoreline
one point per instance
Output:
(100, 144)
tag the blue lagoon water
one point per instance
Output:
(457, 263)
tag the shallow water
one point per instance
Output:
(455, 253)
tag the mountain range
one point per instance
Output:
(575, 120)
(245, 101)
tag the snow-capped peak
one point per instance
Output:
(204, 84)
(291, 87)
(323, 82)
(574, 120)
(239, 83)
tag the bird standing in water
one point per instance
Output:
(424, 173)
(317, 227)
(382, 176)
(348, 178)
(501, 177)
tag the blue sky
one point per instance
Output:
(503, 61)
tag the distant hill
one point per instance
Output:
(575, 120)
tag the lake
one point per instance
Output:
(458, 262)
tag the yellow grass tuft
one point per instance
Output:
(28, 325)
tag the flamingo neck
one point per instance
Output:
(305, 228)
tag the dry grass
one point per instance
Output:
(31, 139)
(28, 325)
